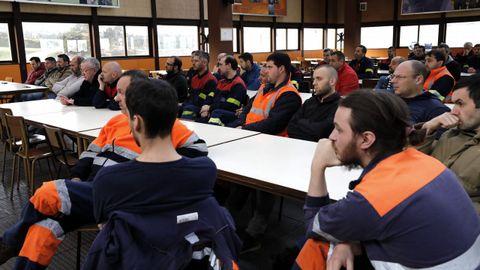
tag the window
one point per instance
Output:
(377, 37)
(281, 39)
(256, 39)
(340, 39)
(112, 40)
(408, 35)
(312, 38)
(137, 40)
(292, 39)
(422, 34)
(331, 38)
(50, 39)
(286, 39)
(5, 50)
(459, 33)
(177, 40)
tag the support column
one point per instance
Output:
(219, 16)
(352, 27)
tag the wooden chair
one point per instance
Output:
(18, 134)
(67, 158)
(5, 138)
(86, 228)
(9, 79)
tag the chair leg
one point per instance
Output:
(32, 174)
(79, 249)
(49, 168)
(27, 164)
(280, 210)
(12, 181)
(4, 162)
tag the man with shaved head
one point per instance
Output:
(107, 87)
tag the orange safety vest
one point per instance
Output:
(435, 75)
(262, 104)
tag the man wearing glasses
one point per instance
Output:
(176, 77)
(84, 97)
(408, 80)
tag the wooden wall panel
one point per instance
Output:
(294, 12)
(378, 11)
(54, 9)
(10, 71)
(137, 63)
(178, 9)
(314, 11)
(137, 8)
(5, 7)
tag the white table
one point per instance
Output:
(90, 134)
(465, 74)
(215, 135)
(37, 107)
(277, 165)
(383, 72)
(74, 121)
(8, 88)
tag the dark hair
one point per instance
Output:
(177, 62)
(64, 57)
(477, 45)
(339, 54)
(204, 55)
(384, 114)
(472, 84)
(134, 74)
(80, 59)
(246, 57)
(281, 59)
(230, 60)
(36, 59)
(156, 102)
(419, 68)
(444, 46)
(391, 47)
(422, 47)
(364, 49)
(438, 55)
(50, 59)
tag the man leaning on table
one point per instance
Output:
(71, 84)
(107, 87)
(400, 216)
(63, 205)
(268, 112)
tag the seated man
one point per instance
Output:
(84, 96)
(71, 84)
(406, 211)
(63, 71)
(216, 68)
(166, 186)
(439, 81)
(418, 53)
(38, 68)
(458, 147)
(227, 98)
(64, 205)
(107, 87)
(50, 70)
(453, 66)
(408, 81)
(250, 71)
(463, 56)
(268, 112)
(473, 62)
(347, 78)
(315, 119)
(384, 64)
(362, 65)
(176, 78)
(203, 86)
(385, 82)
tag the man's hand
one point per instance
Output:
(324, 155)
(239, 111)
(101, 83)
(471, 70)
(343, 255)
(66, 101)
(445, 120)
(204, 111)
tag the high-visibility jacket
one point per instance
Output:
(433, 77)
(264, 102)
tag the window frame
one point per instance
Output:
(286, 28)
(243, 38)
(13, 45)
(177, 23)
(124, 26)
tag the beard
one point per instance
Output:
(323, 91)
(348, 156)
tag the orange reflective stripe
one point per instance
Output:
(235, 266)
(46, 199)
(40, 245)
(313, 255)
(435, 75)
(392, 180)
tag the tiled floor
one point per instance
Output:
(280, 233)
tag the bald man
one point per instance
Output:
(107, 87)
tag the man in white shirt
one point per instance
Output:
(71, 84)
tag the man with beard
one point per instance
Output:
(315, 119)
(228, 97)
(107, 87)
(84, 96)
(63, 205)
(176, 78)
(362, 65)
(71, 84)
(399, 215)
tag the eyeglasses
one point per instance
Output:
(169, 64)
(401, 77)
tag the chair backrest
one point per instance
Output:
(18, 131)
(9, 79)
(54, 137)
(4, 132)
